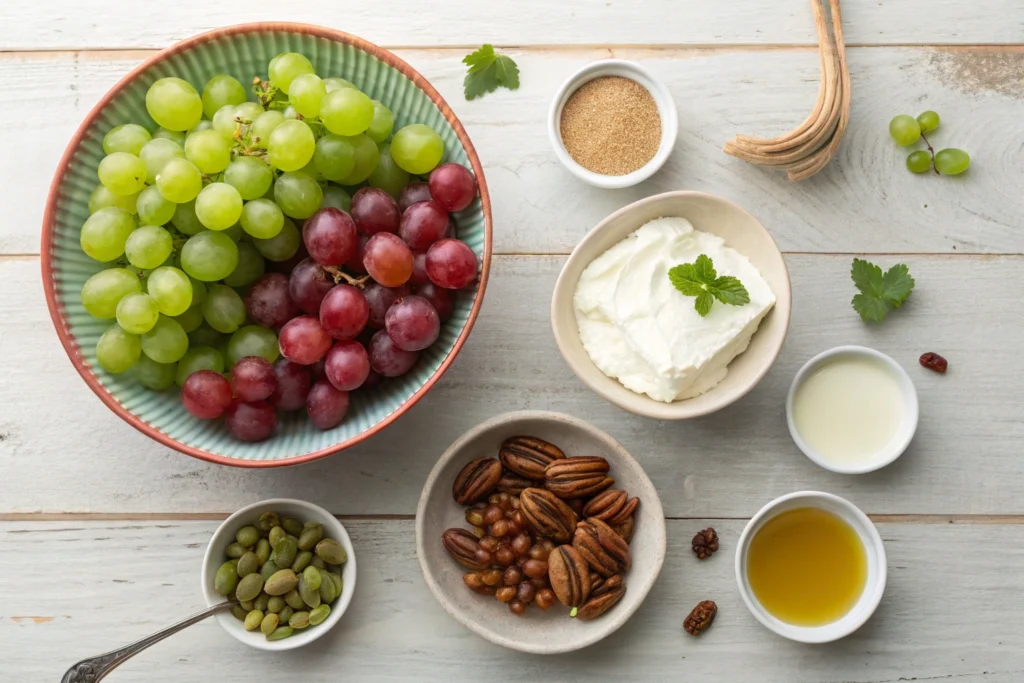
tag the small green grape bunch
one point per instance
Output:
(906, 131)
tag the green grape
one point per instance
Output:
(335, 157)
(174, 104)
(137, 313)
(904, 129)
(220, 90)
(118, 350)
(382, 124)
(209, 256)
(198, 292)
(148, 246)
(305, 94)
(219, 206)
(175, 136)
(346, 111)
(310, 170)
(262, 218)
(291, 146)
(952, 161)
(171, 289)
(250, 176)
(105, 232)
(166, 342)
(263, 125)
(153, 209)
(388, 175)
(247, 112)
(101, 198)
(205, 124)
(123, 173)
(128, 137)
(206, 336)
(103, 291)
(282, 246)
(208, 150)
(250, 266)
(297, 194)
(252, 340)
(224, 121)
(153, 375)
(919, 161)
(196, 359)
(337, 198)
(285, 67)
(155, 155)
(332, 84)
(190, 319)
(185, 219)
(928, 121)
(367, 158)
(418, 148)
(223, 309)
(179, 181)
(290, 114)
(235, 232)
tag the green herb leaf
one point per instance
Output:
(879, 293)
(487, 71)
(699, 279)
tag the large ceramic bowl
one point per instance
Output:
(244, 51)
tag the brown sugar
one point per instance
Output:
(611, 126)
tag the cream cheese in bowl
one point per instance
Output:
(639, 329)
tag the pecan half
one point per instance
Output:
(569, 576)
(606, 504)
(625, 513)
(465, 549)
(602, 585)
(625, 529)
(548, 515)
(700, 618)
(602, 598)
(476, 480)
(577, 477)
(705, 543)
(601, 547)
(527, 456)
(513, 484)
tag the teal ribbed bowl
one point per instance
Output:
(244, 51)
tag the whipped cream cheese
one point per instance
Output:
(639, 329)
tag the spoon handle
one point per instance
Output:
(95, 668)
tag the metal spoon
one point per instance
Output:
(96, 668)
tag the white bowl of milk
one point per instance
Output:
(852, 409)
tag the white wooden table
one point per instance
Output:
(102, 531)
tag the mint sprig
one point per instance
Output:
(487, 71)
(879, 293)
(699, 279)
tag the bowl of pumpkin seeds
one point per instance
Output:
(290, 567)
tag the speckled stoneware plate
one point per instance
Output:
(536, 631)
(244, 51)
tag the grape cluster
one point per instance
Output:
(906, 131)
(273, 254)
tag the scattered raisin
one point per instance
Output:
(934, 361)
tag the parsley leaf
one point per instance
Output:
(487, 71)
(699, 279)
(879, 293)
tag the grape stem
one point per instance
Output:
(931, 150)
(340, 275)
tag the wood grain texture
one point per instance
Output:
(865, 201)
(61, 450)
(946, 614)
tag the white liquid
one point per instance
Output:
(849, 409)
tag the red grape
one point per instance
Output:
(443, 300)
(412, 193)
(344, 312)
(387, 359)
(355, 264)
(286, 267)
(451, 264)
(452, 186)
(389, 261)
(419, 268)
(319, 368)
(380, 299)
(303, 340)
(412, 323)
(309, 285)
(254, 421)
(347, 365)
(253, 379)
(372, 380)
(453, 229)
(330, 236)
(206, 394)
(293, 382)
(423, 224)
(375, 211)
(325, 405)
(268, 302)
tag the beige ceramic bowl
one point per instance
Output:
(536, 631)
(707, 213)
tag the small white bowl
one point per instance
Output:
(662, 98)
(896, 445)
(874, 586)
(225, 535)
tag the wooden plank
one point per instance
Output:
(948, 612)
(528, 22)
(63, 451)
(866, 201)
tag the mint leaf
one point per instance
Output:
(487, 71)
(897, 285)
(729, 290)
(879, 293)
(703, 304)
(684, 277)
(700, 279)
(705, 269)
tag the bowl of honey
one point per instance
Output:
(811, 567)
